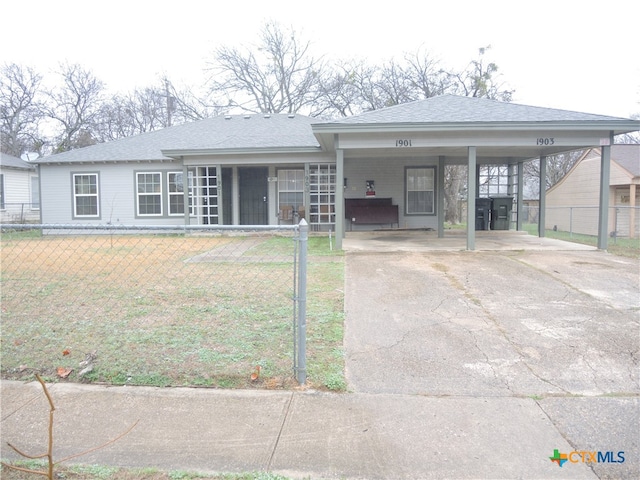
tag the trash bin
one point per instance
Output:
(501, 213)
(483, 207)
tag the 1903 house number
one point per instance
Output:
(403, 143)
(545, 141)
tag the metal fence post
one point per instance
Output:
(301, 330)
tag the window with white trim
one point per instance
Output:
(420, 185)
(86, 199)
(149, 193)
(290, 194)
(175, 187)
(35, 193)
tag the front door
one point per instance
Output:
(253, 186)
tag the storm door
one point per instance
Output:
(254, 190)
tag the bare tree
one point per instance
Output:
(557, 167)
(20, 109)
(480, 79)
(427, 77)
(74, 107)
(277, 76)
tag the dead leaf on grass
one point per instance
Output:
(256, 374)
(64, 372)
(66, 352)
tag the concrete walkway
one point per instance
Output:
(460, 364)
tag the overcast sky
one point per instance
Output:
(574, 55)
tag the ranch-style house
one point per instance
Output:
(381, 169)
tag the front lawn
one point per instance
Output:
(167, 310)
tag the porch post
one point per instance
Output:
(186, 192)
(440, 200)
(520, 196)
(339, 205)
(605, 173)
(471, 199)
(542, 195)
(219, 187)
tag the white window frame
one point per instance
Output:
(176, 194)
(77, 196)
(424, 183)
(158, 194)
(290, 180)
(35, 192)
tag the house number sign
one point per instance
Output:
(545, 141)
(403, 143)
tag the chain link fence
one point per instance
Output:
(15, 212)
(624, 221)
(212, 306)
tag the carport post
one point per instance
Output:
(543, 196)
(605, 173)
(339, 199)
(520, 197)
(471, 200)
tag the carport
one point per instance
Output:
(423, 137)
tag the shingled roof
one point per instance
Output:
(222, 134)
(628, 157)
(458, 109)
(9, 161)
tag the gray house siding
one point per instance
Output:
(116, 193)
(390, 182)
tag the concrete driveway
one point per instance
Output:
(558, 326)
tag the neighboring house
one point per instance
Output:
(19, 191)
(380, 169)
(572, 203)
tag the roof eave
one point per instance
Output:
(179, 153)
(618, 127)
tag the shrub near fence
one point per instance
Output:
(202, 307)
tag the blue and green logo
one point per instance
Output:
(583, 456)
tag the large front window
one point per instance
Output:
(420, 191)
(291, 194)
(85, 195)
(149, 193)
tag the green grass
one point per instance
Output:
(155, 318)
(624, 247)
(102, 472)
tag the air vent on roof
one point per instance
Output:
(227, 117)
(267, 115)
(291, 115)
(247, 117)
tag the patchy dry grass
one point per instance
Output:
(167, 310)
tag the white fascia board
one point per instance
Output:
(622, 126)
(238, 151)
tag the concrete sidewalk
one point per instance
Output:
(312, 434)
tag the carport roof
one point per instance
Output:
(447, 125)
(454, 109)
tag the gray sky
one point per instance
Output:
(574, 55)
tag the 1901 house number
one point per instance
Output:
(403, 143)
(545, 141)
